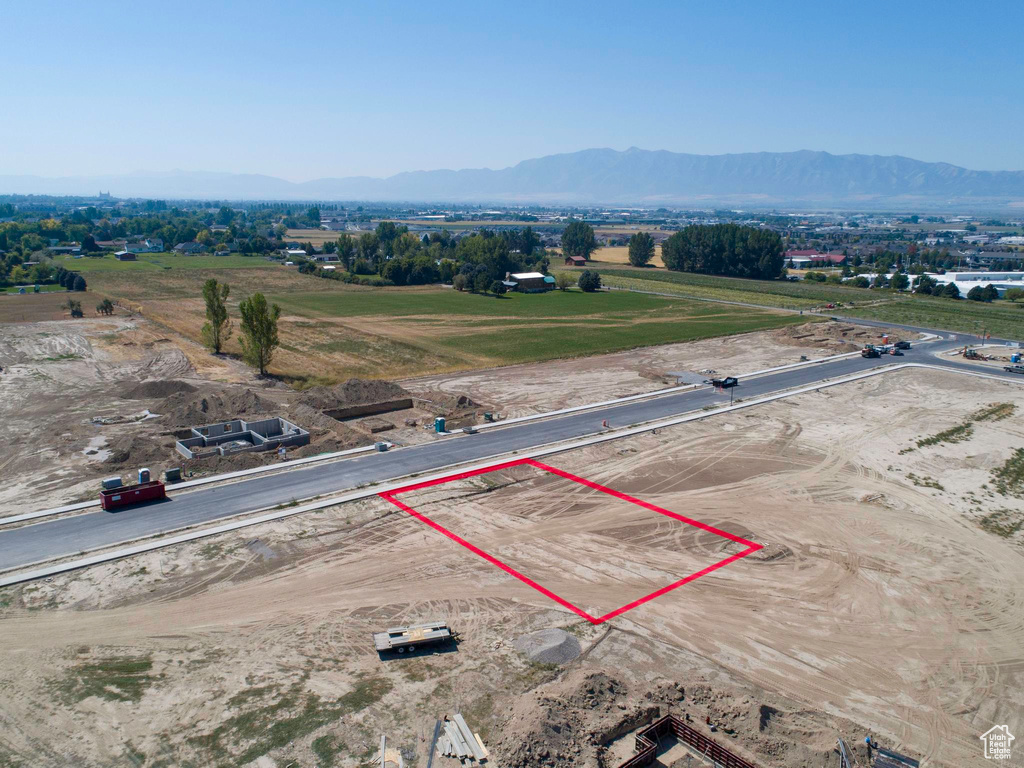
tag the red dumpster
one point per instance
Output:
(132, 494)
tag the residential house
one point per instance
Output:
(189, 248)
(529, 282)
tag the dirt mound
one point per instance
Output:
(549, 646)
(188, 409)
(150, 390)
(568, 721)
(352, 392)
(155, 452)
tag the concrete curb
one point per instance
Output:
(534, 453)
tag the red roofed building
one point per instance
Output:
(812, 256)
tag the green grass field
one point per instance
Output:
(406, 332)
(150, 262)
(1000, 318)
(28, 289)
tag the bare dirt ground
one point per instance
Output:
(887, 600)
(522, 390)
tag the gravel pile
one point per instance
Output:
(549, 646)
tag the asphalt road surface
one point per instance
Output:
(94, 530)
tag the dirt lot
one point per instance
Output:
(886, 600)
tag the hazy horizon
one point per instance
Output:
(316, 90)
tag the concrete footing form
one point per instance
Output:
(240, 436)
(647, 741)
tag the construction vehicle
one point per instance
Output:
(1014, 368)
(113, 496)
(972, 354)
(870, 351)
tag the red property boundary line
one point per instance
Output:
(751, 546)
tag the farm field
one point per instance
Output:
(149, 262)
(331, 331)
(253, 647)
(420, 329)
(619, 254)
(1001, 319)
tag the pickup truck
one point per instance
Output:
(902, 345)
(726, 383)
(1014, 368)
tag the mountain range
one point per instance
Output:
(599, 176)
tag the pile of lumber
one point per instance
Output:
(457, 740)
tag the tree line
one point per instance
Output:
(391, 255)
(729, 250)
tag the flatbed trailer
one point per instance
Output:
(132, 494)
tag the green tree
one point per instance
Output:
(900, 282)
(481, 282)
(498, 288)
(950, 291)
(217, 329)
(725, 249)
(578, 239)
(459, 282)
(346, 250)
(590, 280)
(1014, 295)
(259, 331)
(563, 281)
(313, 217)
(368, 246)
(105, 307)
(78, 284)
(74, 307)
(641, 249)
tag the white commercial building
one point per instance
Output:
(1002, 281)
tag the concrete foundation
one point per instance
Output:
(239, 436)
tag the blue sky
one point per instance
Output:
(309, 89)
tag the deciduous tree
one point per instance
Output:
(578, 239)
(259, 331)
(641, 249)
(217, 329)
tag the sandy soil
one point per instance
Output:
(883, 602)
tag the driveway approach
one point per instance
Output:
(94, 530)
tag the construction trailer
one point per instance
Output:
(408, 639)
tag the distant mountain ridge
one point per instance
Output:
(597, 176)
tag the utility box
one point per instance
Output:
(110, 482)
(439, 425)
(381, 447)
(172, 475)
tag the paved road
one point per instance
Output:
(94, 530)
